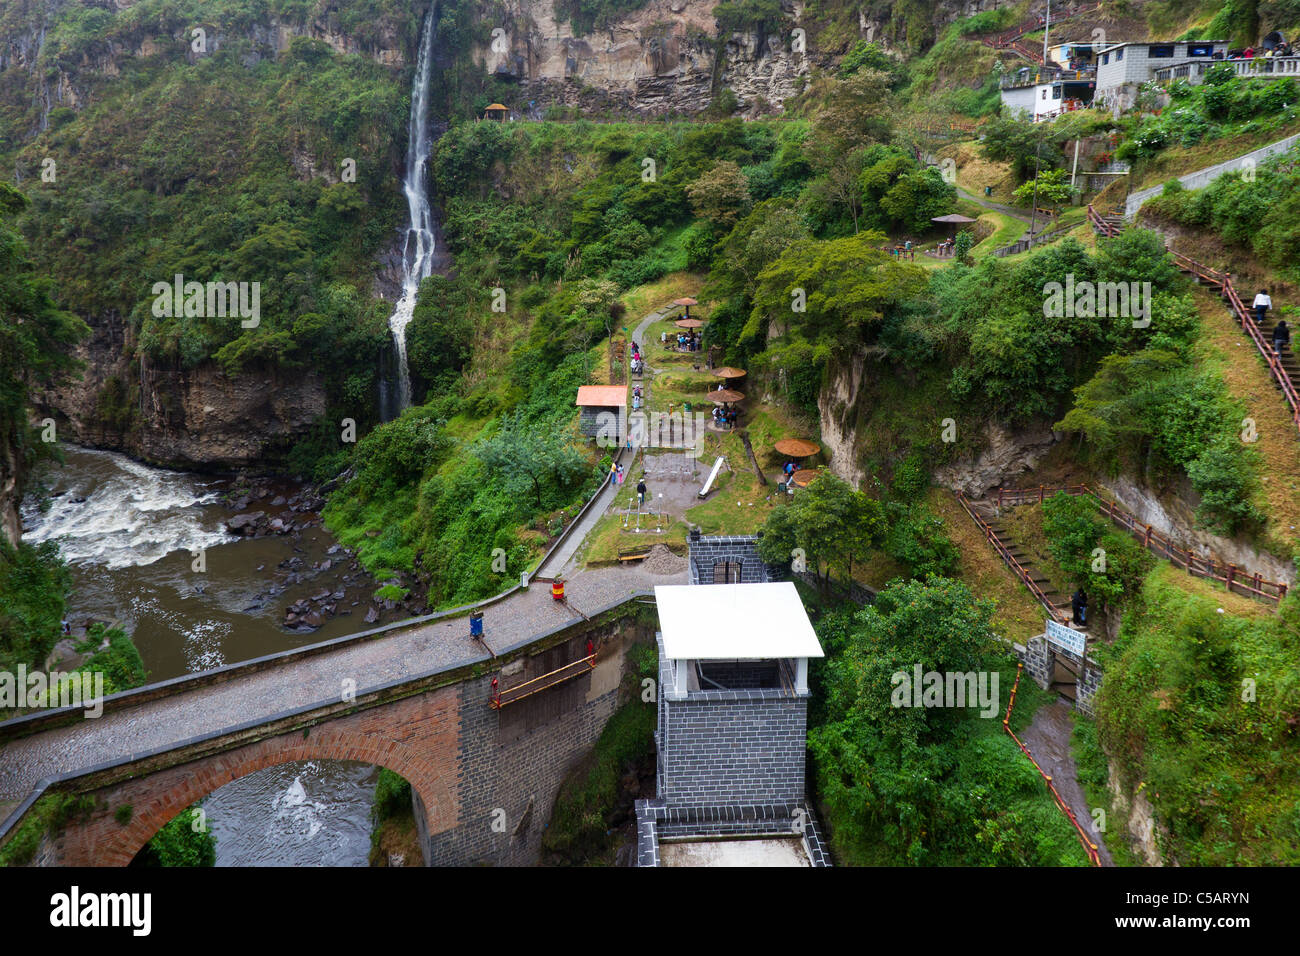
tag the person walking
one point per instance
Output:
(1079, 605)
(1261, 305)
(1281, 336)
(640, 493)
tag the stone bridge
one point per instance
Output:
(414, 698)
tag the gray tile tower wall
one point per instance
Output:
(707, 551)
(730, 746)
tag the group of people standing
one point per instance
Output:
(687, 341)
(725, 417)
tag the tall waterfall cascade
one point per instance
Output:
(418, 247)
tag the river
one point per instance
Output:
(127, 531)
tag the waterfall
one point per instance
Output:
(417, 249)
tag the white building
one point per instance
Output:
(1042, 95)
(1122, 68)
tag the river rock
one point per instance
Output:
(246, 524)
(65, 653)
(277, 501)
(372, 615)
(320, 595)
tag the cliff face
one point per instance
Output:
(658, 59)
(668, 56)
(10, 526)
(195, 418)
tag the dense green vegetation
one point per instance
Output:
(1260, 212)
(926, 786)
(184, 840)
(283, 179)
(1223, 105)
(1199, 707)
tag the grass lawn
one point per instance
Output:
(1005, 229)
(654, 295)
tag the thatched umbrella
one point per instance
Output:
(689, 323)
(726, 396)
(954, 220)
(797, 447)
(686, 301)
(804, 475)
(728, 372)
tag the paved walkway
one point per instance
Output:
(1048, 739)
(561, 560)
(318, 680)
(1013, 211)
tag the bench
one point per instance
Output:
(632, 554)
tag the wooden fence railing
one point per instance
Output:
(1009, 560)
(1235, 579)
(1222, 281)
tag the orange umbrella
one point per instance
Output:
(804, 475)
(797, 447)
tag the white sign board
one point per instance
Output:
(1067, 638)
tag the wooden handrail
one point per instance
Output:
(1088, 846)
(1223, 282)
(1252, 584)
(576, 668)
(1009, 560)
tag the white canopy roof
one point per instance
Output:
(734, 621)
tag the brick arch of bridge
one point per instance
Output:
(415, 737)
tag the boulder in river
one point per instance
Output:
(372, 615)
(247, 523)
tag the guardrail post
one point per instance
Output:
(1232, 573)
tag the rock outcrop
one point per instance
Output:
(184, 418)
(1005, 455)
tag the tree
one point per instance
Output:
(832, 293)
(827, 523)
(1051, 189)
(36, 342)
(721, 195)
(853, 115)
(1026, 146)
(531, 454)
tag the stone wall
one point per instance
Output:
(707, 551)
(1039, 658)
(730, 747)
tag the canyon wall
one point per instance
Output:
(670, 57)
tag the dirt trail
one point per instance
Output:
(1048, 739)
